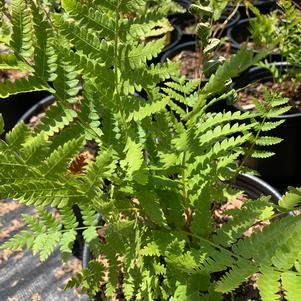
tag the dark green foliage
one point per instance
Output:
(161, 160)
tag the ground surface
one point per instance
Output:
(22, 276)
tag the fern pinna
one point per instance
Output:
(162, 160)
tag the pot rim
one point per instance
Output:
(43, 103)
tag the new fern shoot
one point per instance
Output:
(163, 160)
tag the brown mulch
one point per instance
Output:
(288, 89)
(190, 61)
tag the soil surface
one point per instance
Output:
(288, 88)
(190, 61)
(11, 75)
(23, 277)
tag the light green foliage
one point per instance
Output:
(264, 28)
(290, 32)
(162, 159)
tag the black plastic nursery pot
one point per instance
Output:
(284, 167)
(185, 20)
(239, 33)
(253, 186)
(13, 107)
(264, 6)
(175, 38)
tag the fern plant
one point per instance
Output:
(162, 160)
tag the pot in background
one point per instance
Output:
(13, 107)
(282, 169)
(239, 33)
(264, 6)
(187, 19)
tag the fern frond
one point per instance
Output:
(66, 83)
(40, 192)
(23, 239)
(133, 162)
(261, 154)
(92, 17)
(262, 245)
(103, 167)
(10, 61)
(45, 56)
(84, 39)
(268, 284)
(69, 234)
(36, 149)
(268, 140)
(21, 39)
(291, 282)
(89, 279)
(291, 199)
(22, 85)
(236, 276)
(242, 219)
(17, 136)
(270, 125)
(138, 55)
(58, 161)
(231, 68)
(56, 119)
(46, 233)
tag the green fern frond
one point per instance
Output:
(45, 56)
(231, 68)
(58, 161)
(261, 246)
(91, 16)
(142, 26)
(291, 199)
(268, 140)
(138, 55)
(236, 276)
(69, 231)
(23, 239)
(66, 83)
(134, 162)
(268, 284)
(89, 279)
(36, 149)
(270, 125)
(56, 119)
(291, 283)
(21, 39)
(103, 167)
(23, 85)
(40, 192)
(17, 136)
(10, 61)
(242, 219)
(261, 154)
(84, 39)
(45, 231)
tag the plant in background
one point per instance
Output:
(290, 32)
(162, 163)
(263, 28)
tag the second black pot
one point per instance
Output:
(282, 169)
(13, 107)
